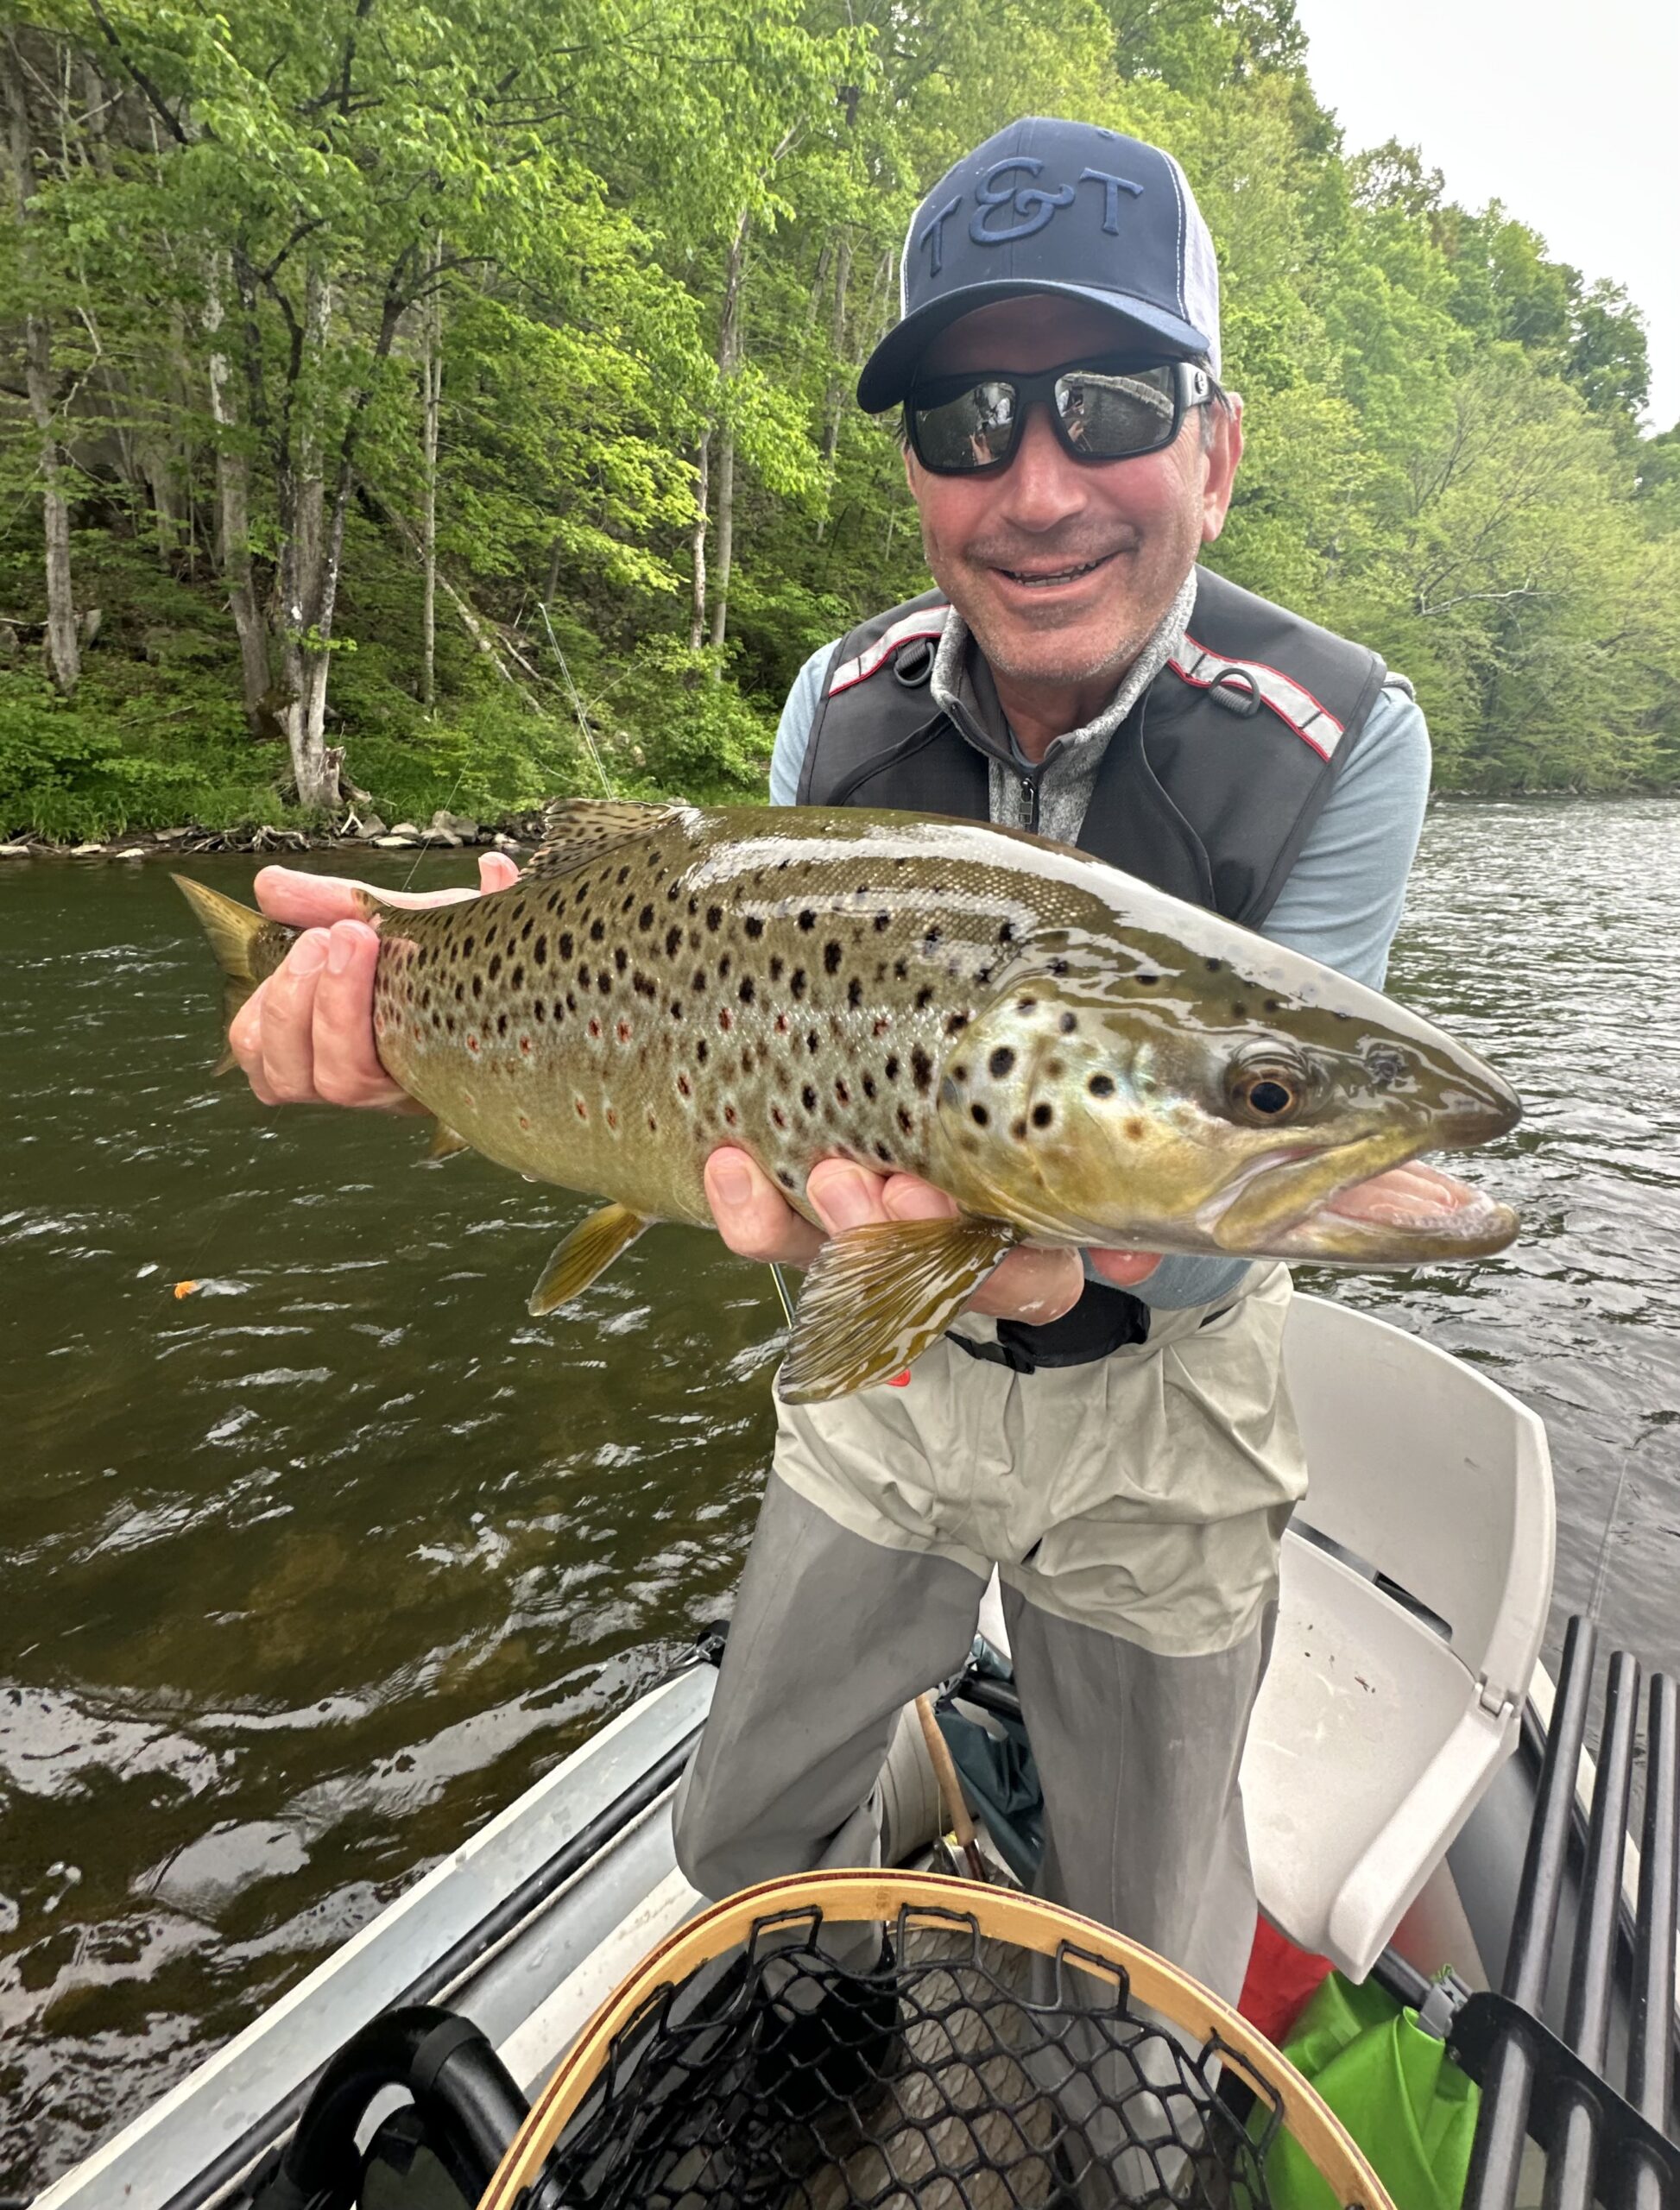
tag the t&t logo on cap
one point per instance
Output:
(1052, 206)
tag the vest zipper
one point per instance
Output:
(1029, 791)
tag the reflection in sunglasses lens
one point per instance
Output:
(1101, 415)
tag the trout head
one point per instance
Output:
(1153, 1111)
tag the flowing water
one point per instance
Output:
(307, 1571)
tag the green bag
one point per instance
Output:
(1396, 2090)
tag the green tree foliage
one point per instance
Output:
(317, 313)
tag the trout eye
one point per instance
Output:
(1266, 1092)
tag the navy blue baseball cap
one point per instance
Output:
(1048, 205)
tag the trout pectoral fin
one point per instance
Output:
(578, 1257)
(876, 1296)
(579, 829)
(445, 1143)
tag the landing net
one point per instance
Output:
(1009, 2055)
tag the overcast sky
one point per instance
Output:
(1568, 114)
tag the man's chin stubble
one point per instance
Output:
(1044, 665)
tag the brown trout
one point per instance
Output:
(1075, 1057)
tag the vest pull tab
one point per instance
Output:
(1235, 690)
(913, 665)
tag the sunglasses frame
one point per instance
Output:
(1192, 386)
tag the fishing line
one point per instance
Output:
(1603, 1565)
(577, 703)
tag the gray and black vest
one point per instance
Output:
(1209, 789)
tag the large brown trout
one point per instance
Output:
(1073, 1056)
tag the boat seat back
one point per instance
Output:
(1415, 1588)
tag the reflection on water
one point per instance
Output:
(308, 1571)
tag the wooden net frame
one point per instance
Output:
(1105, 1987)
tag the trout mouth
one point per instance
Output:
(1290, 1206)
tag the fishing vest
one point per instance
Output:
(1209, 789)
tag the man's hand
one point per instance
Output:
(756, 1220)
(305, 1037)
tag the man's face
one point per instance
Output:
(1062, 568)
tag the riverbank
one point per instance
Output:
(444, 832)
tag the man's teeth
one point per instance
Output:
(1061, 575)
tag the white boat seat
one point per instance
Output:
(1383, 1717)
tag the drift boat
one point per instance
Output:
(1418, 1806)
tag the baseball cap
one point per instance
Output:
(1047, 205)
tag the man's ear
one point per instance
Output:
(1224, 456)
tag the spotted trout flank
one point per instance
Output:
(1073, 1056)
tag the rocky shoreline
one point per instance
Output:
(446, 832)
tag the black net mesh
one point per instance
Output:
(960, 2075)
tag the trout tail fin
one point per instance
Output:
(233, 930)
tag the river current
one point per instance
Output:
(307, 1570)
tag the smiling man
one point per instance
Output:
(1114, 1436)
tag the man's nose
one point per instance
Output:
(1043, 485)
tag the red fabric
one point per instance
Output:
(1280, 1980)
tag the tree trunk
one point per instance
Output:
(696, 616)
(233, 490)
(728, 355)
(835, 400)
(305, 602)
(720, 609)
(63, 649)
(312, 548)
(432, 371)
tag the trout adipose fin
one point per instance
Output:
(580, 1257)
(875, 1297)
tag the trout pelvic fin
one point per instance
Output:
(233, 930)
(579, 829)
(580, 1257)
(444, 1142)
(875, 1297)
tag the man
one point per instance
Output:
(1114, 1437)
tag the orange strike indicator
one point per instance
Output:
(185, 1288)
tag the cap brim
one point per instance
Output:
(891, 368)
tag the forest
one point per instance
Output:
(444, 404)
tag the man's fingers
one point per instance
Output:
(346, 1068)
(1036, 1286)
(1125, 1269)
(753, 1216)
(308, 901)
(845, 1195)
(245, 1042)
(287, 1021)
(906, 1196)
(315, 901)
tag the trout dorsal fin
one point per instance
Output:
(579, 829)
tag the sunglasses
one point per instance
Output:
(1099, 411)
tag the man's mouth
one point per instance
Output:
(1047, 579)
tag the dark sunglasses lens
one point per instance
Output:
(973, 429)
(1111, 416)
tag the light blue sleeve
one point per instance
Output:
(794, 730)
(1340, 905)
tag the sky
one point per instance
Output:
(1568, 114)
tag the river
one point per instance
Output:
(310, 1570)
